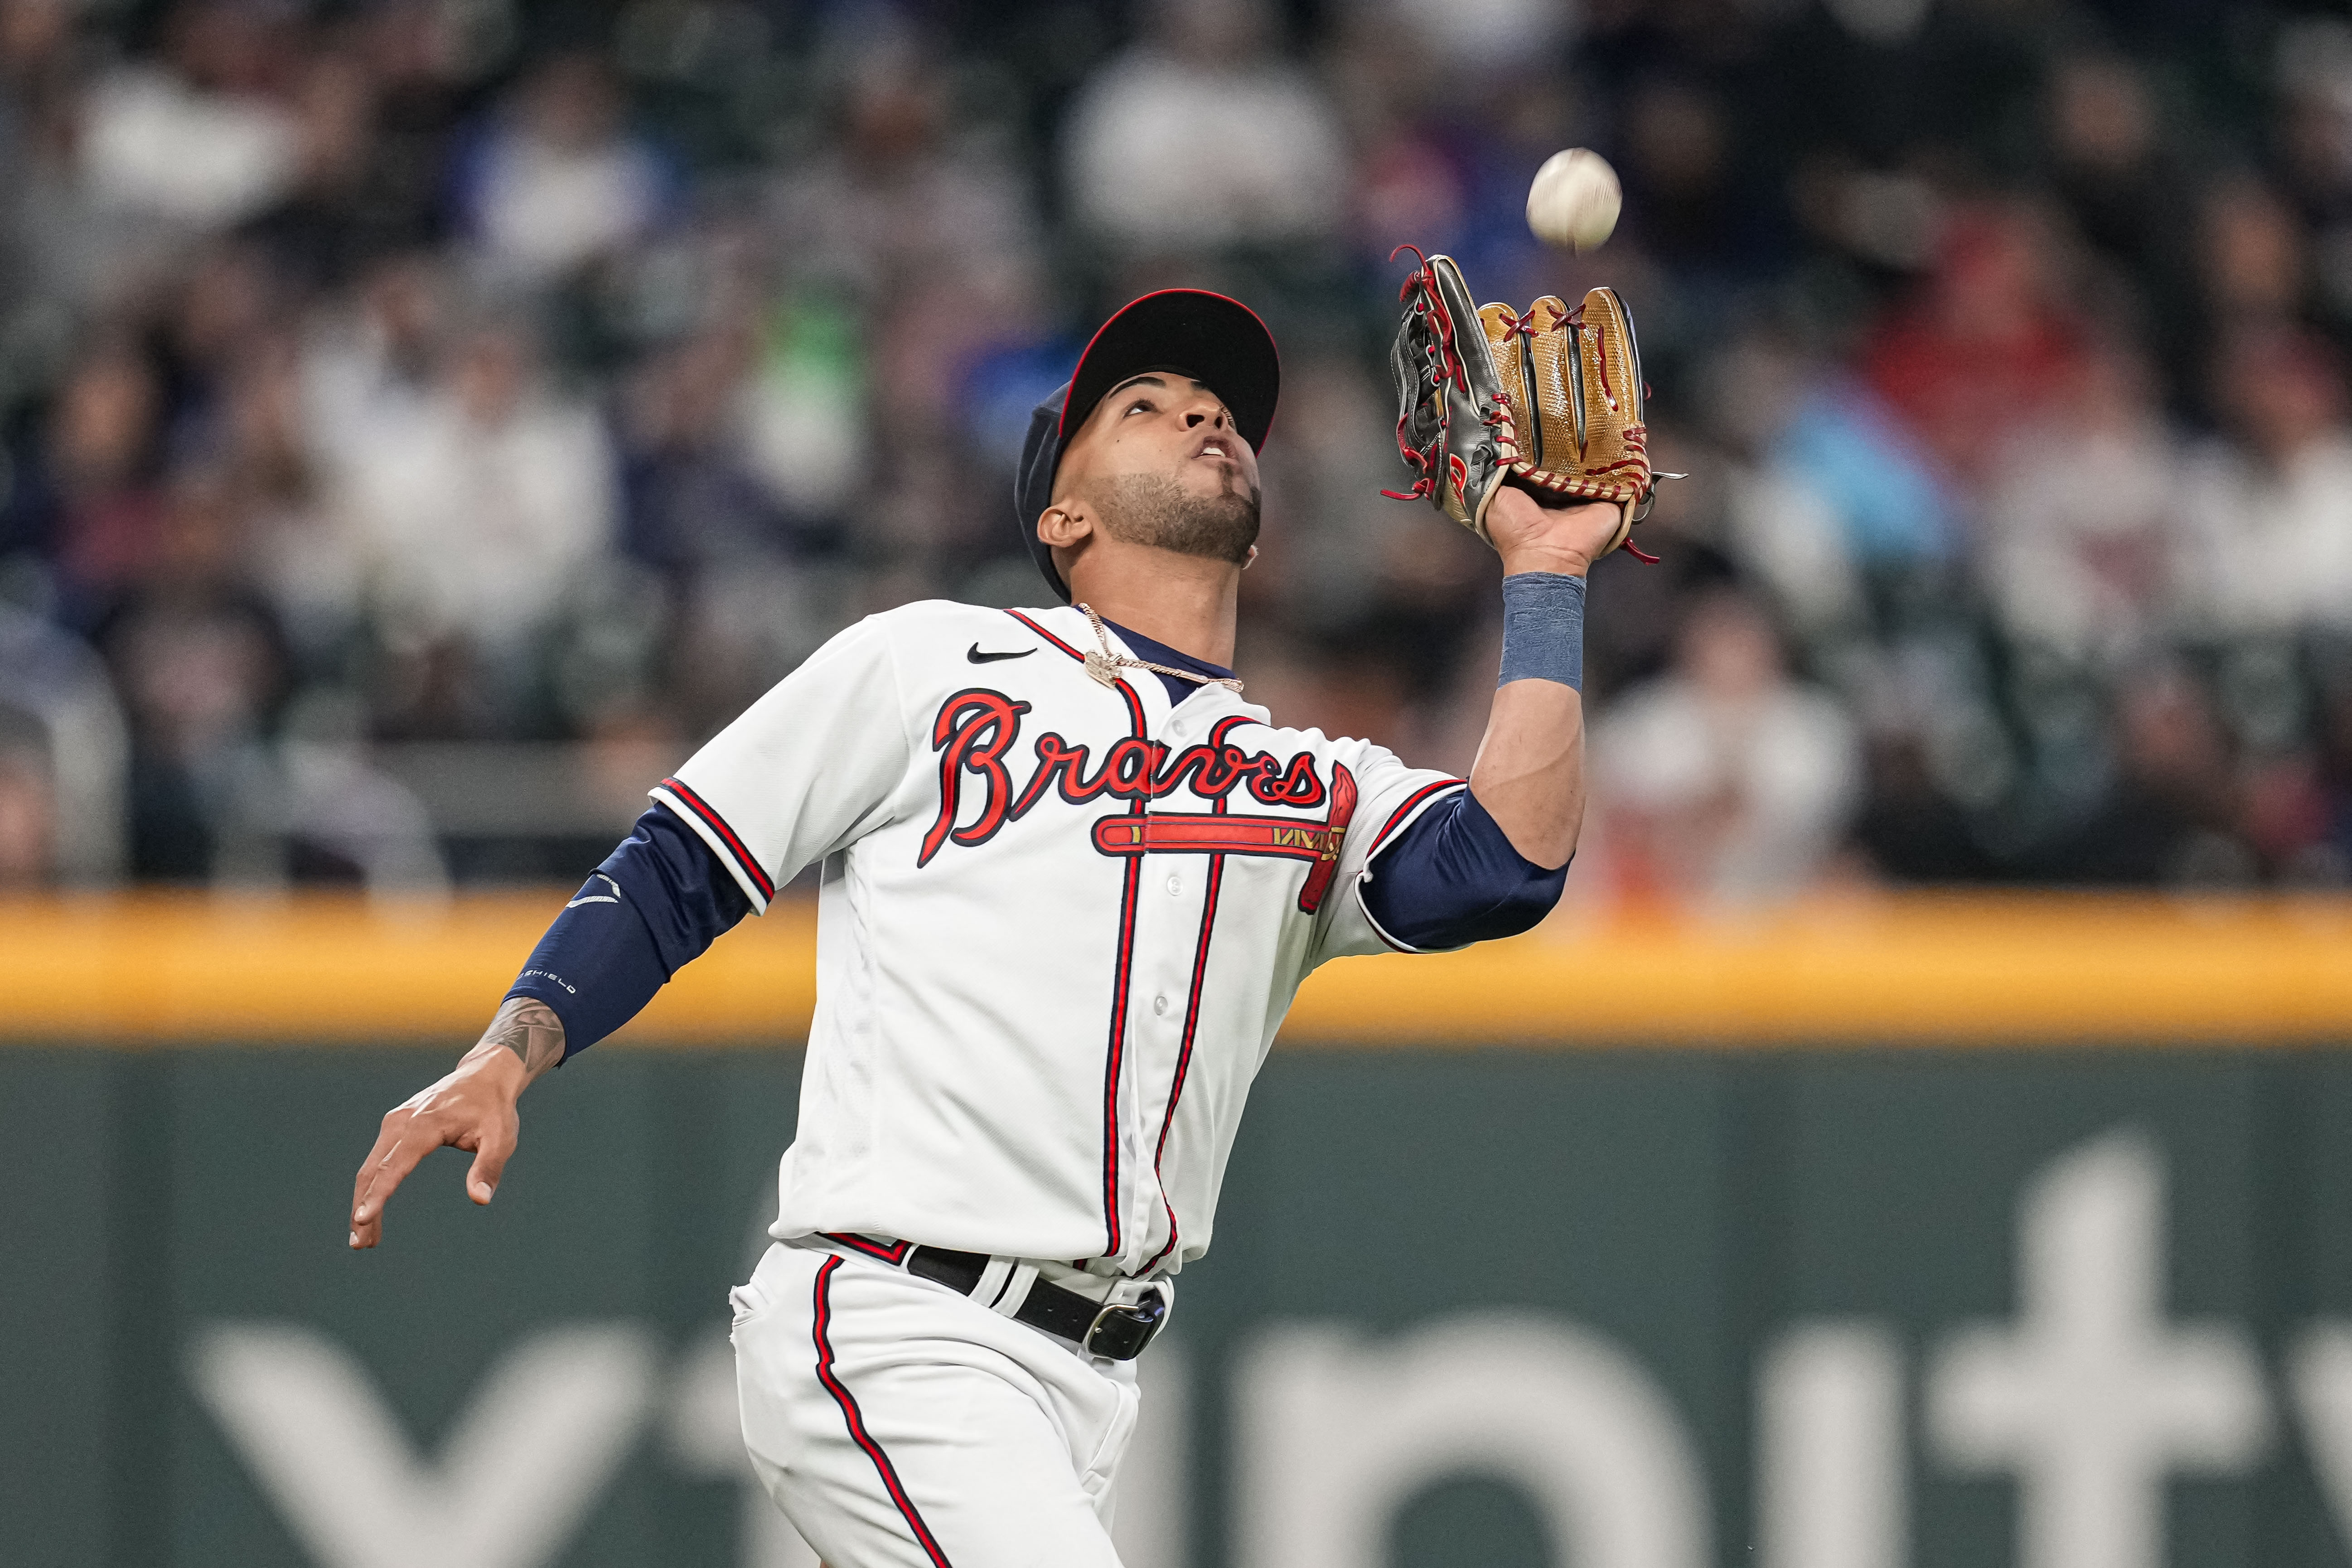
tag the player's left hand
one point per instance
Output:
(1535, 537)
(472, 1108)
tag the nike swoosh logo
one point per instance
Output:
(588, 897)
(978, 657)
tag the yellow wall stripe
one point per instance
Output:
(158, 969)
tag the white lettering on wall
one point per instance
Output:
(513, 1481)
(1338, 1430)
(703, 1426)
(2092, 1398)
(1154, 1485)
(1832, 1461)
(2319, 1375)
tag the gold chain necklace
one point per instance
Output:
(1105, 666)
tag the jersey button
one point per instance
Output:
(1160, 1005)
(1175, 885)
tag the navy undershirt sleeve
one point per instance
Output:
(654, 905)
(1452, 879)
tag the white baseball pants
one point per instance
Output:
(900, 1425)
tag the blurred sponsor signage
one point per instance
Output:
(2081, 1309)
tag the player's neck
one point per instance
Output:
(1185, 601)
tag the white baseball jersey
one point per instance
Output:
(1058, 925)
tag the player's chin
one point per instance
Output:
(1208, 478)
(1217, 528)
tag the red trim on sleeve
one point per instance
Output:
(1413, 800)
(717, 825)
(1399, 815)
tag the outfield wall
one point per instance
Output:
(1852, 1236)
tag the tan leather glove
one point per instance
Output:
(1550, 398)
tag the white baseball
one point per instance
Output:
(1574, 201)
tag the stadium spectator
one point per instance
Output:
(1696, 208)
(348, 205)
(228, 300)
(555, 180)
(804, 414)
(908, 253)
(2312, 147)
(693, 499)
(1910, 830)
(27, 810)
(1201, 138)
(2128, 196)
(1407, 186)
(2253, 256)
(1781, 522)
(62, 733)
(57, 248)
(2173, 816)
(274, 283)
(36, 42)
(201, 138)
(2269, 510)
(91, 493)
(1724, 778)
(302, 553)
(483, 506)
(369, 361)
(2083, 530)
(1838, 497)
(2287, 820)
(202, 665)
(896, 200)
(2329, 862)
(2109, 165)
(1988, 347)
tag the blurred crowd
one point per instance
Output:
(380, 373)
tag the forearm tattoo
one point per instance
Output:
(530, 1029)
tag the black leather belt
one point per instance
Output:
(1117, 1333)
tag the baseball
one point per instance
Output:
(1574, 200)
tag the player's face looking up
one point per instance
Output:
(1158, 464)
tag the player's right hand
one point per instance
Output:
(1547, 533)
(472, 1108)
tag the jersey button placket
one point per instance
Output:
(1170, 959)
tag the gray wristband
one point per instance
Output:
(1543, 628)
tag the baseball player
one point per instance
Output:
(1068, 879)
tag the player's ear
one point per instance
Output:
(1063, 527)
(1065, 530)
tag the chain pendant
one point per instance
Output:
(1105, 666)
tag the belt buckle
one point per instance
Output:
(1122, 1330)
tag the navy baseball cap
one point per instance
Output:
(1219, 342)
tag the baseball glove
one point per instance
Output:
(1552, 398)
